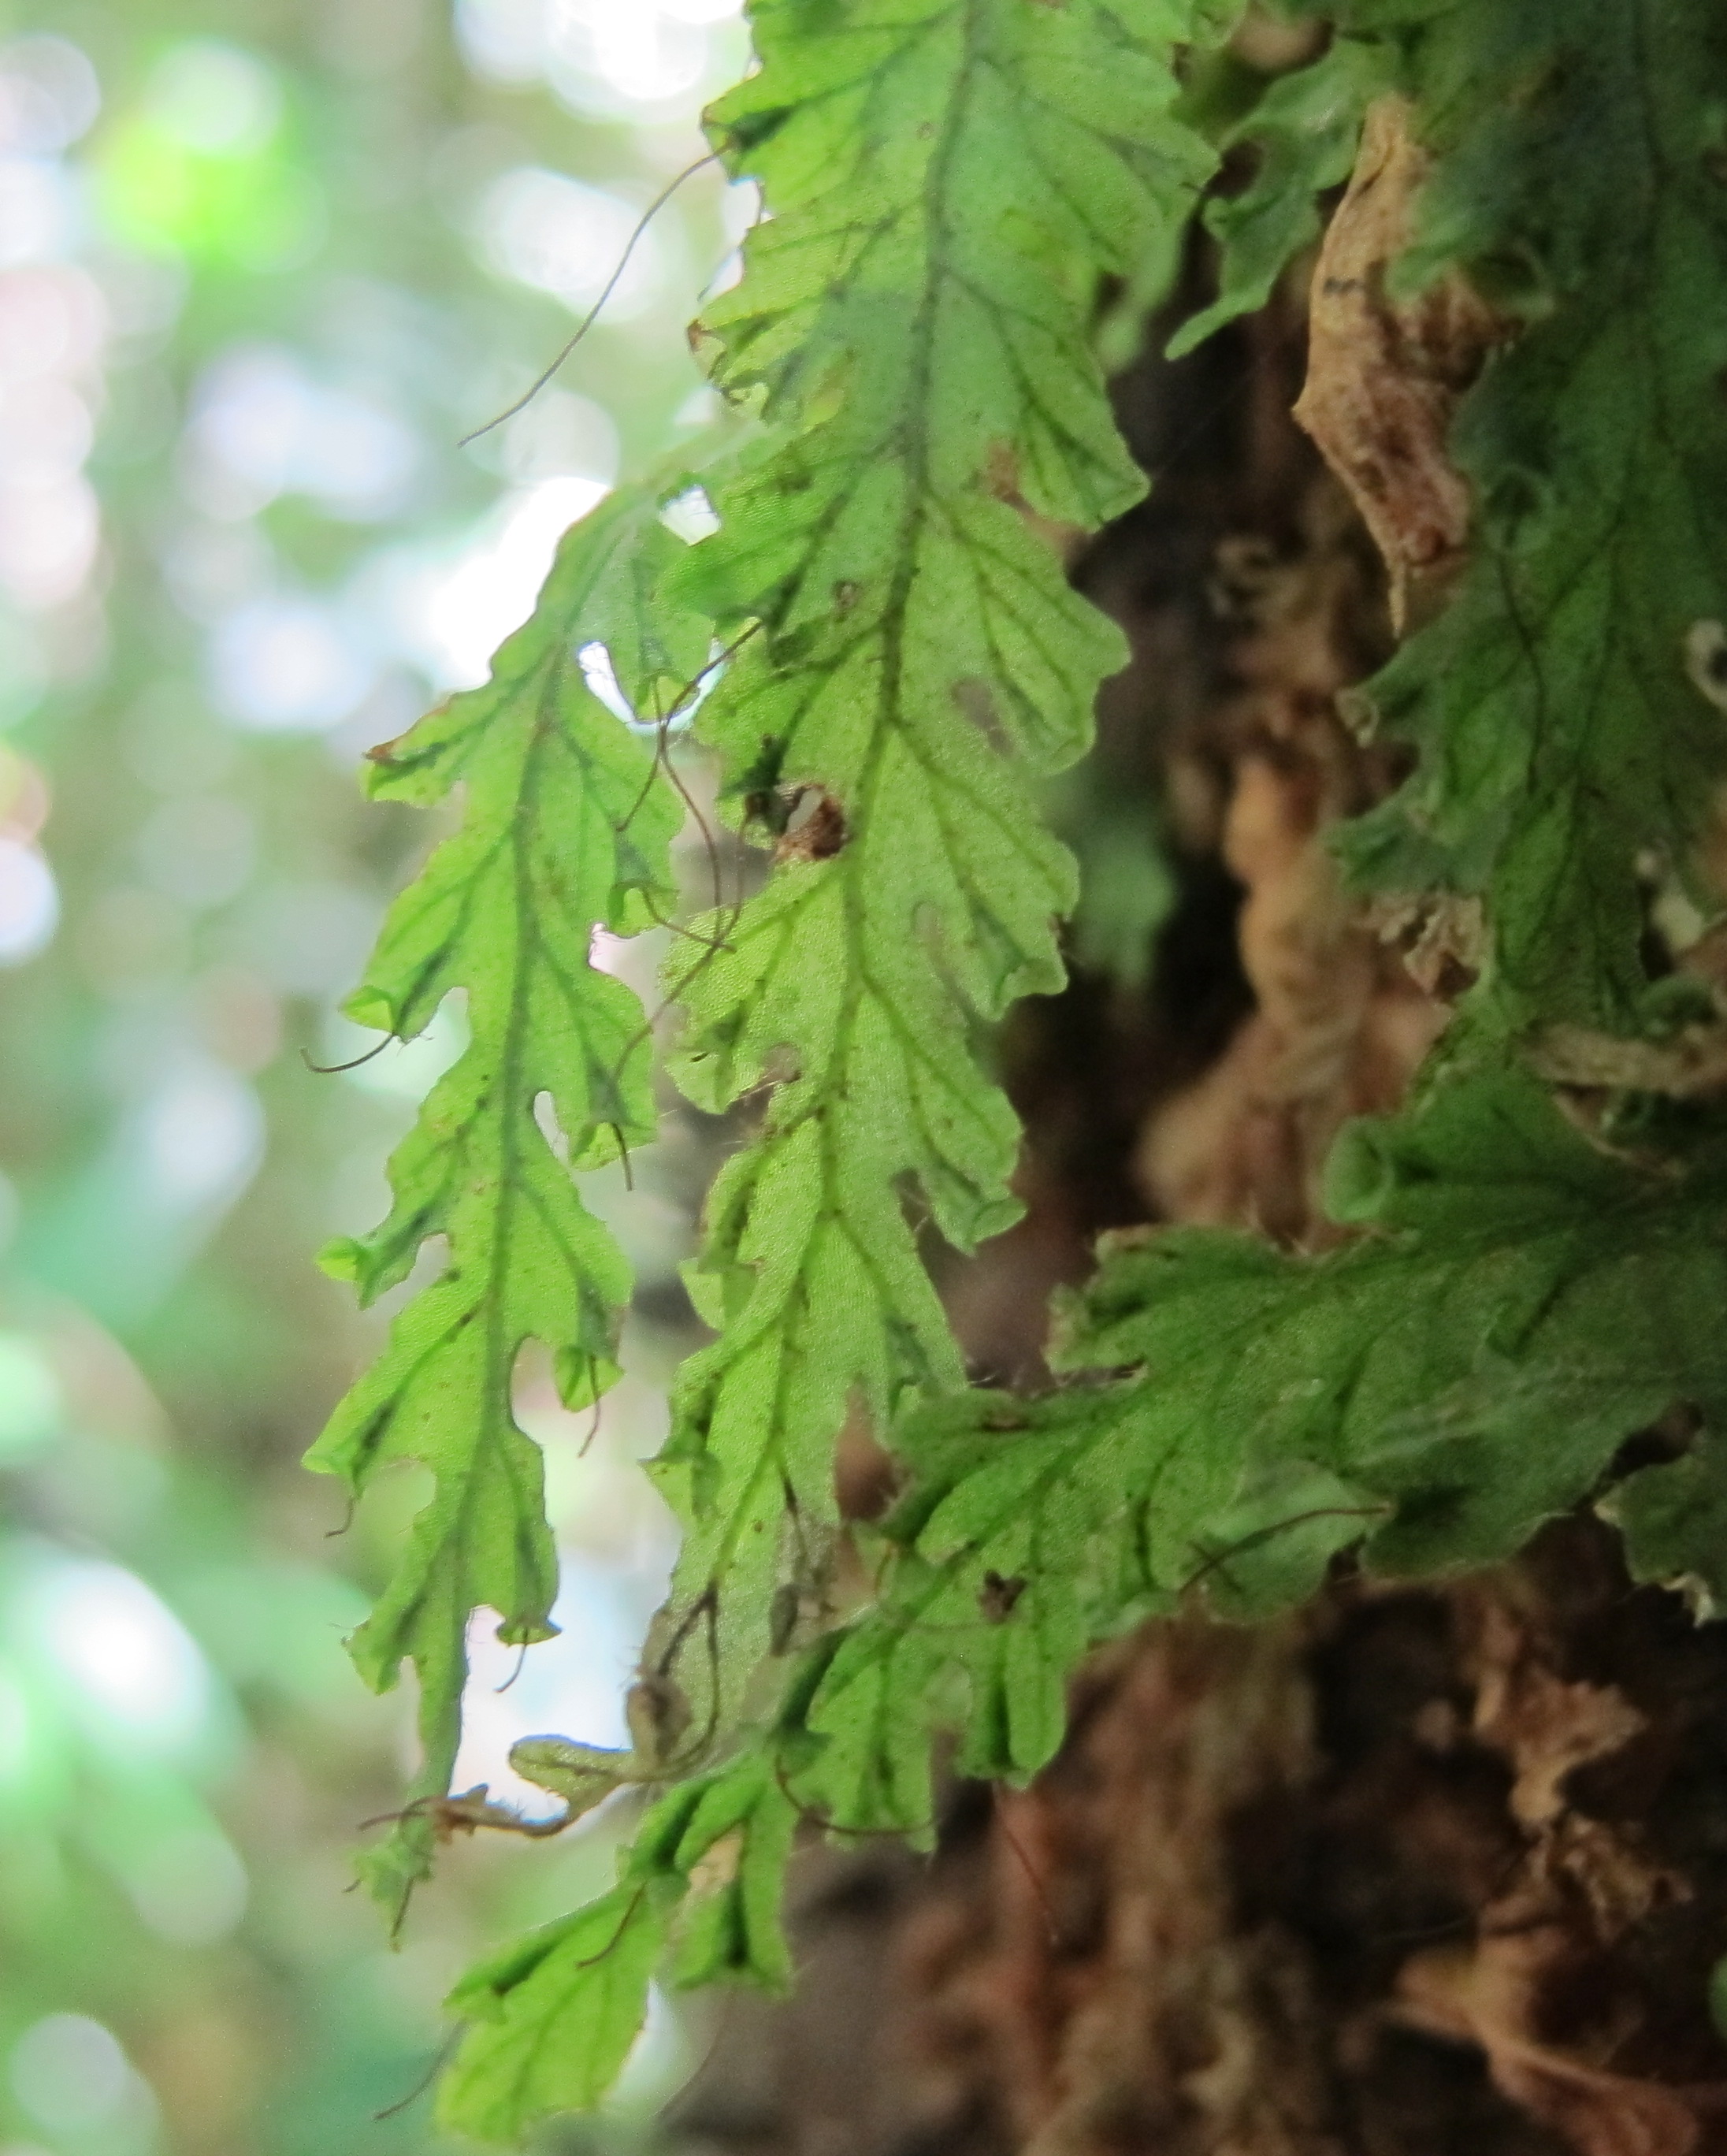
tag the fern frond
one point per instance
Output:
(1567, 740)
(554, 2015)
(565, 829)
(949, 182)
(1519, 1305)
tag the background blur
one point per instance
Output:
(262, 262)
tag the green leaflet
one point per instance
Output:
(585, 1975)
(553, 2016)
(949, 180)
(1564, 739)
(1674, 1521)
(563, 829)
(733, 1840)
(1305, 126)
(1521, 1304)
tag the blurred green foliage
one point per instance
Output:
(262, 264)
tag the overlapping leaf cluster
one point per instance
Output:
(1568, 703)
(1517, 1304)
(1521, 1302)
(554, 2015)
(949, 182)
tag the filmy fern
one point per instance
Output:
(1517, 1304)
(952, 184)
(1567, 743)
(562, 832)
(948, 184)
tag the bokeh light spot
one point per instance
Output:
(38, 211)
(285, 662)
(48, 95)
(29, 902)
(213, 97)
(70, 2072)
(141, 1675)
(190, 1888)
(31, 1402)
(567, 238)
(451, 614)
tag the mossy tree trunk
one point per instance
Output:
(1425, 1869)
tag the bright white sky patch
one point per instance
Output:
(614, 58)
(567, 238)
(451, 609)
(29, 902)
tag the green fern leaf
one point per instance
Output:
(949, 182)
(1520, 1305)
(734, 1850)
(554, 2015)
(1567, 731)
(1674, 1521)
(1305, 126)
(565, 829)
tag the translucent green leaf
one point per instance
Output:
(1674, 1521)
(949, 184)
(735, 1849)
(564, 830)
(555, 2016)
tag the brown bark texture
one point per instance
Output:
(1421, 1869)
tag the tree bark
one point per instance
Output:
(1421, 1869)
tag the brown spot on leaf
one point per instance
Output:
(973, 697)
(657, 1710)
(1000, 474)
(816, 829)
(1001, 478)
(997, 1597)
(1385, 375)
